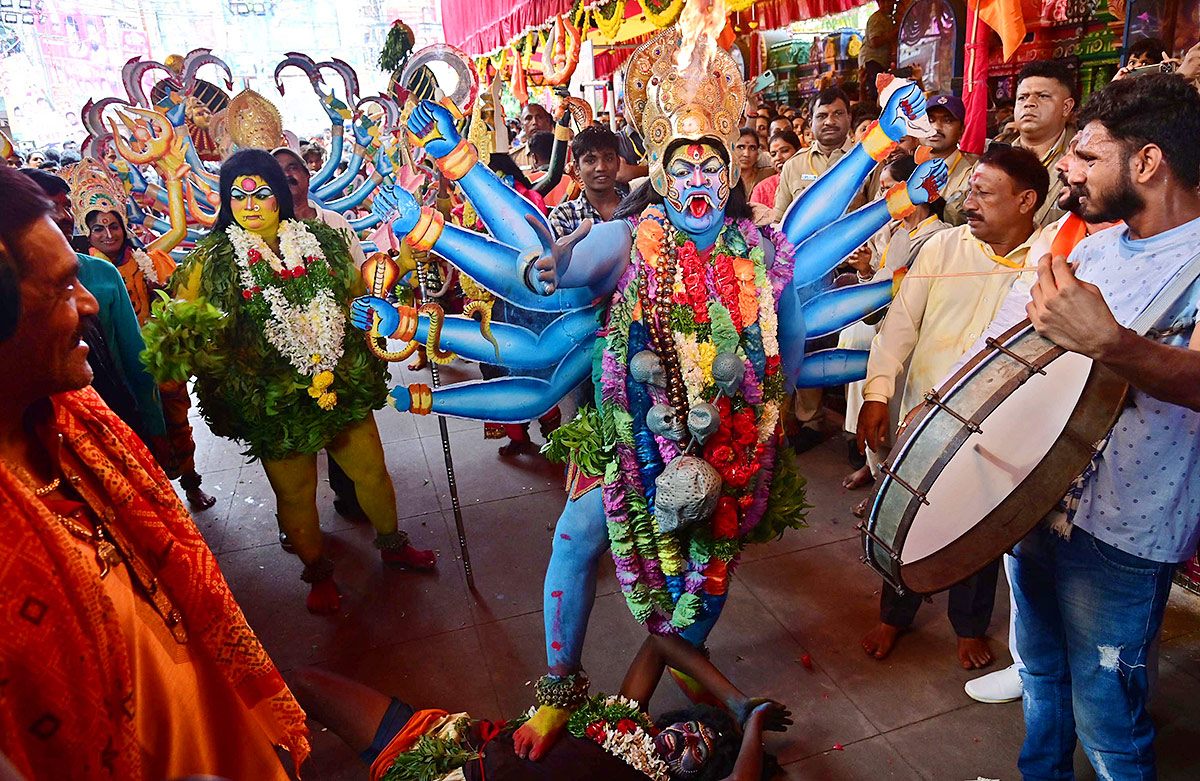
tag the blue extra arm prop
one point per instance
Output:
(322, 177)
(827, 198)
(502, 209)
(837, 366)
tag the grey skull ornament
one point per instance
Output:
(703, 421)
(685, 493)
(646, 367)
(664, 421)
(727, 371)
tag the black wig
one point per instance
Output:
(253, 162)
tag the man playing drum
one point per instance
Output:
(1091, 588)
(951, 295)
(1059, 238)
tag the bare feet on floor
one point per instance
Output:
(199, 500)
(880, 640)
(535, 737)
(973, 653)
(859, 478)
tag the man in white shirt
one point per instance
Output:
(951, 294)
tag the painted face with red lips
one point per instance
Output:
(697, 187)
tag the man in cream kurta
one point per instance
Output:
(950, 295)
(935, 321)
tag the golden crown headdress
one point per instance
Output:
(667, 104)
(94, 188)
(253, 122)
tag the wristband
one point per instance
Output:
(455, 163)
(899, 205)
(523, 270)
(421, 399)
(406, 329)
(425, 233)
(877, 144)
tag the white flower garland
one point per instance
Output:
(146, 264)
(308, 335)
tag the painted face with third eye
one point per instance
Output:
(685, 746)
(254, 205)
(697, 187)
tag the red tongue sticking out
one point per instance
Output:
(697, 206)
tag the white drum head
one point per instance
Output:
(1016, 436)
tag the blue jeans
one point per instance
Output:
(1087, 615)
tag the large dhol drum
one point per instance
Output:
(985, 458)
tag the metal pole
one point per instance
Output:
(423, 276)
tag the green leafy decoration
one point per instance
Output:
(254, 395)
(396, 47)
(582, 441)
(177, 338)
(430, 759)
(786, 506)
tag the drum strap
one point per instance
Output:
(1166, 298)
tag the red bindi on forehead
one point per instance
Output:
(249, 185)
(695, 151)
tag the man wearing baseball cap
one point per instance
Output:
(946, 114)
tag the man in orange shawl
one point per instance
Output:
(123, 654)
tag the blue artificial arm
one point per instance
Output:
(821, 253)
(837, 366)
(834, 310)
(516, 348)
(506, 399)
(337, 140)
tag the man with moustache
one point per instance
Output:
(534, 119)
(1044, 102)
(930, 324)
(1058, 238)
(831, 140)
(946, 114)
(1091, 584)
(122, 651)
(298, 176)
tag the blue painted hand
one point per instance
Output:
(927, 181)
(554, 256)
(905, 104)
(402, 208)
(364, 311)
(432, 126)
(400, 399)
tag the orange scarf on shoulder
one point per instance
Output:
(66, 688)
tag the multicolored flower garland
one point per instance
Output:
(726, 303)
(291, 295)
(618, 726)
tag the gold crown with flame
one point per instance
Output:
(94, 188)
(668, 104)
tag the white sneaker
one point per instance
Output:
(1000, 686)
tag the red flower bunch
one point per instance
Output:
(626, 726)
(595, 731)
(693, 281)
(732, 448)
(294, 273)
(725, 519)
(773, 363)
(253, 256)
(249, 294)
(727, 288)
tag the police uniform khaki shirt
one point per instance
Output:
(805, 167)
(960, 165)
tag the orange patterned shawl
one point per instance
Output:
(66, 690)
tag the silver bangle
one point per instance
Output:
(523, 270)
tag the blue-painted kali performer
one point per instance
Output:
(693, 324)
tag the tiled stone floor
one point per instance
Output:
(430, 640)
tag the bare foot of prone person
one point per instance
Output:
(535, 737)
(880, 640)
(973, 653)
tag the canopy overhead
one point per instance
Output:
(482, 26)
